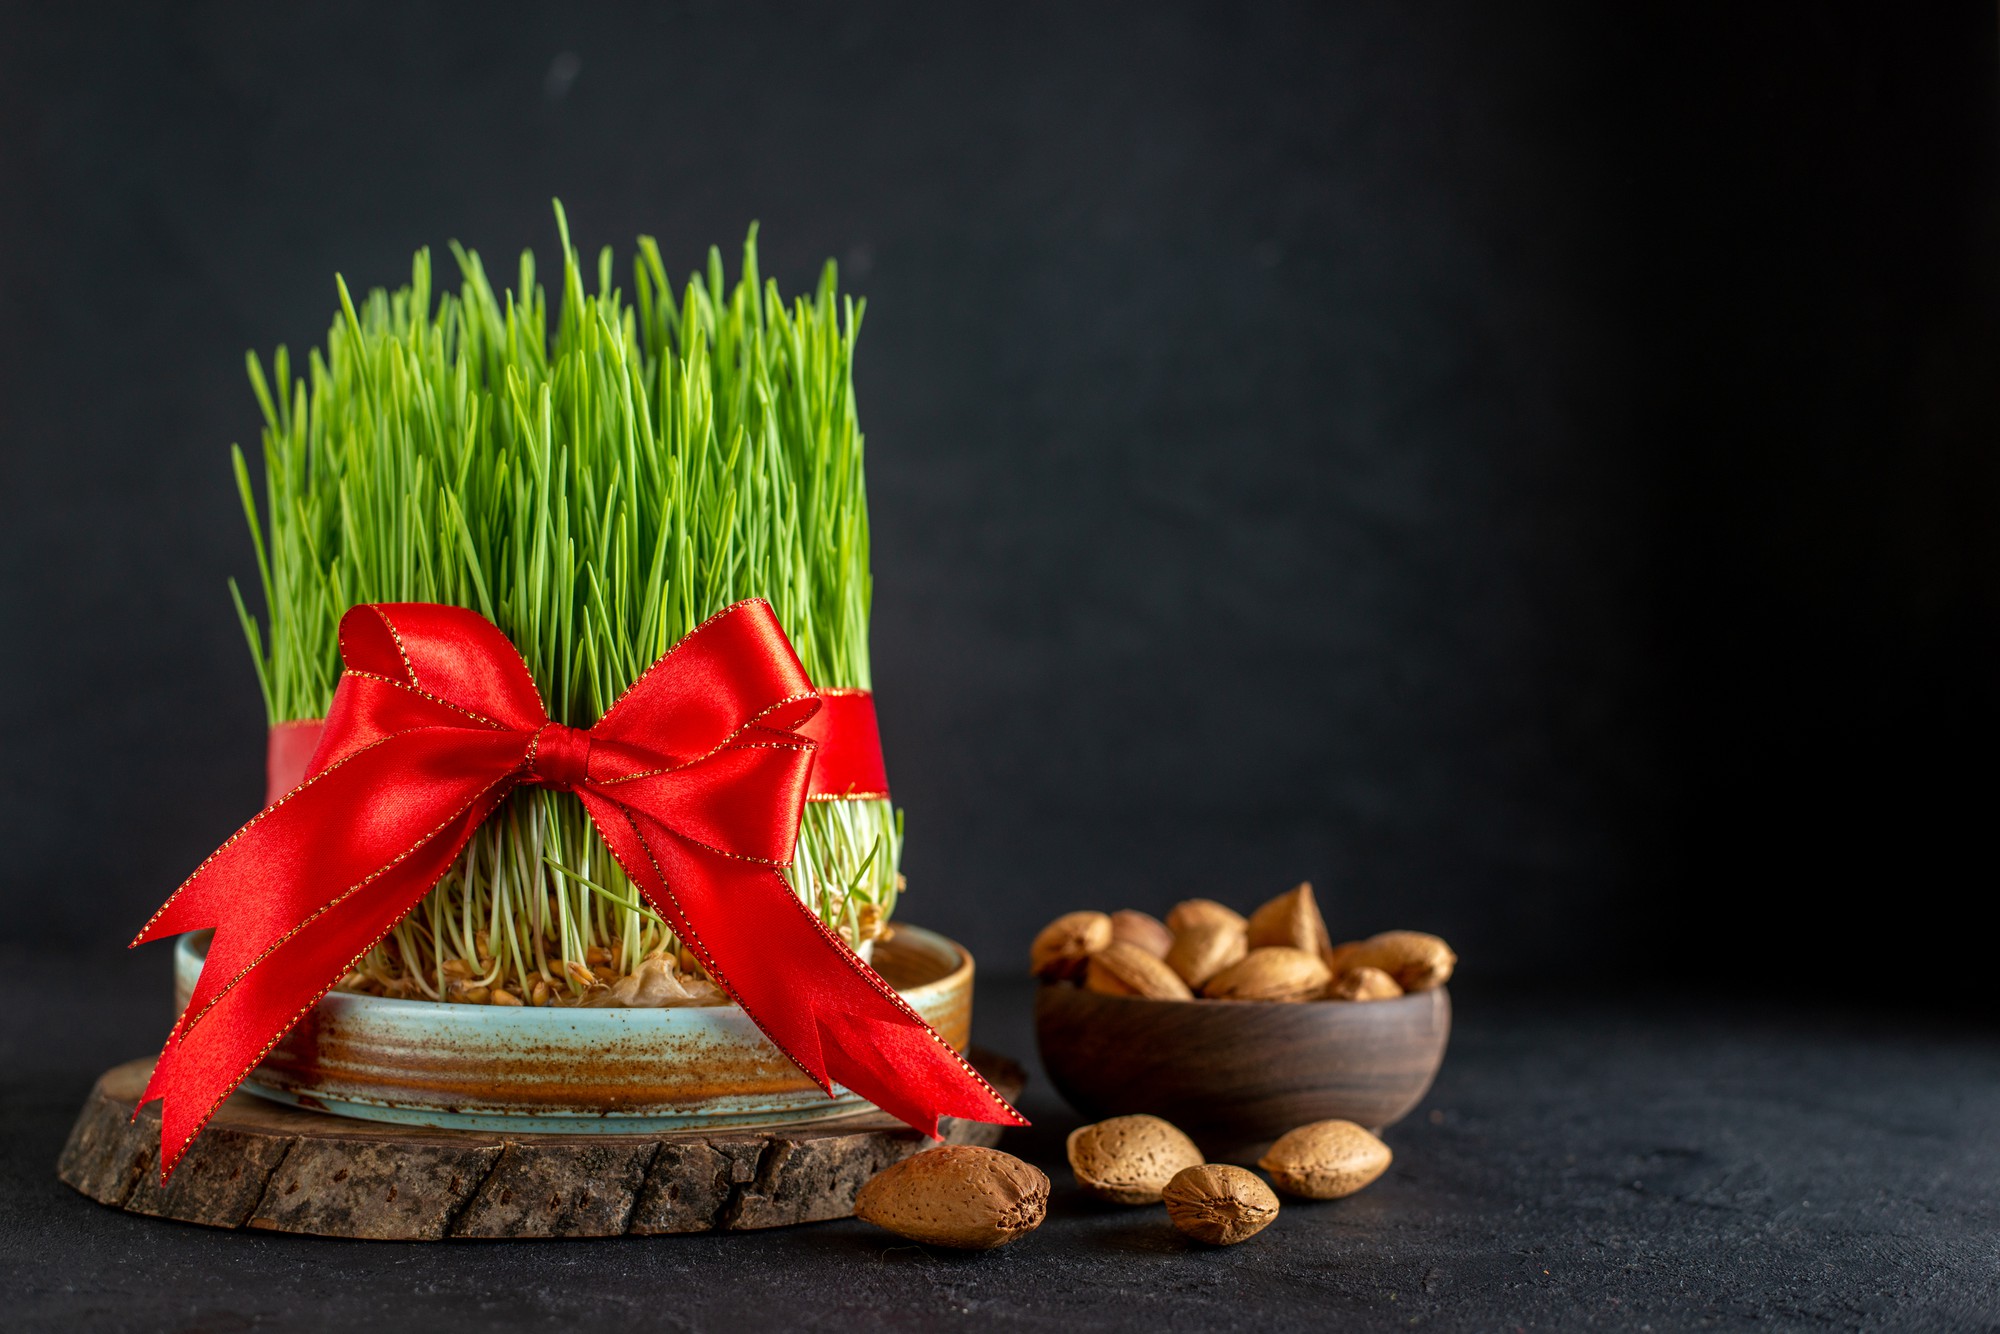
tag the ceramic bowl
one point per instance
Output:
(1235, 1075)
(493, 1067)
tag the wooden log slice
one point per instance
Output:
(263, 1165)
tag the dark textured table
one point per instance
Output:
(1664, 1163)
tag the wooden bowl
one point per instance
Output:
(1235, 1075)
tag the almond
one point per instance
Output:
(1120, 969)
(1417, 961)
(1066, 943)
(1205, 949)
(956, 1195)
(1129, 1159)
(1363, 984)
(1141, 929)
(1338, 958)
(1193, 911)
(1219, 1204)
(1274, 973)
(1325, 1160)
(1290, 919)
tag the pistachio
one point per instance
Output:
(1205, 949)
(1129, 1159)
(956, 1195)
(1363, 984)
(1143, 930)
(1219, 1204)
(1325, 1160)
(1416, 960)
(1290, 919)
(1120, 969)
(1066, 944)
(1186, 914)
(1274, 973)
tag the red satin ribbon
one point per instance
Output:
(847, 750)
(695, 778)
(847, 764)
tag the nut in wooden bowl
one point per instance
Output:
(1204, 949)
(1416, 959)
(1291, 919)
(1274, 973)
(1063, 947)
(1188, 912)
(1146, 931)
(1363, 984)
(1120, 969)
(1129, 1159)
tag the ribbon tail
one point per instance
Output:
(211, 1052)
(829, 1012)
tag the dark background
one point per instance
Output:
(1529, 469)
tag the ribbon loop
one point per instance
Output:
(696, 779)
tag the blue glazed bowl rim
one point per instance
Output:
(191, 949)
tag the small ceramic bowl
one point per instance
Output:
(1235, 1075)
(492, 1067)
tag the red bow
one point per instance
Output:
(695, 778)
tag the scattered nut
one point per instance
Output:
(1219, 1204)
(1143, 930)
(1274, 973)
(1290, 919)
(1325, 1160)
(1120, 969)
(1416, 960)
(1363, 984)
(1129, 1159)
(956, 1195)
(1205, 949)
(1193, 911)
(1065, 944)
